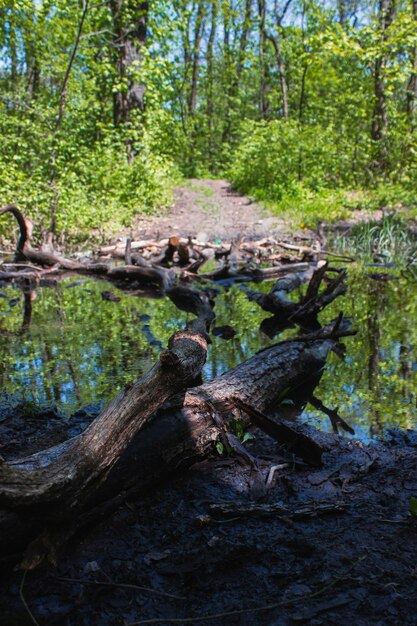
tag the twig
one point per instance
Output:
(82, 581)
(267, 607)
(332, 414)
(25, 604)
(23, 265)
(265, 509)
(272, 471)
(327, 332)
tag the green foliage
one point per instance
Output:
(99, 191)
(279, 159)
(98, 176)
(213, 103)
(219, 448)
(303, 173)
(389, 239)
(413, 506)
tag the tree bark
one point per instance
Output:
(387, 10)
(263, 63)
(61, 109)
(276, 44)
(412, 83)
(192, 102)
(210, 86)
(130, 29)
(243, 41)
(282, 72)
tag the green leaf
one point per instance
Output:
(413, 506)
(248, 437)
(237, 428)
(219, 447)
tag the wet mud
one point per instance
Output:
(255, 558)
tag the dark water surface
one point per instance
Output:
(79, 349)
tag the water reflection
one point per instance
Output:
(68, 346)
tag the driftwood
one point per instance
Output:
(142, 273)
(24, 250)
(126, 448)
(151, 263)
(304, 312)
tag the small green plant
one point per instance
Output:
(219, 447)
(238, 428)
(413, 506)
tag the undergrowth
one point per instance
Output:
(388, 240)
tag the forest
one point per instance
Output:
(304, 103)
(208, 267)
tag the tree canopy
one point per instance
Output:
(104, 105)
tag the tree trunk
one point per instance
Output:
(263, 63)
(275, 41)
(210, 85)
(412, 83)
(130, 26)
(387, 10)
(192, 103)
(61, 109)
(243, 41)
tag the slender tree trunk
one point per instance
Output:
(380, 118)
(227, 72)
(302, 99)
(412, 83)
(282, 72)
(61, 108)
(233, 78)
(210, 90)
(33, 76)
(130, 29)
(31, 38)
(192, 103)
(12, 43)
(243, 41)
(263, 64)
(341, 5)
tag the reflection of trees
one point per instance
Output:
(375, 309)
(68, 345)
(406, 369)
(406, 359)
(77, 348)
(28, 298)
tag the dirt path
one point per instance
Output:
(210, 208)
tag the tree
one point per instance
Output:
(386, 14)
(129, 22)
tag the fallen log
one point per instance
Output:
(126, 448)
(161, 277)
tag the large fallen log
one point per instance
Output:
(126, 448)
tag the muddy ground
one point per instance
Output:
(211, 209)
(168, 558)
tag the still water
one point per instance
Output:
(78, 349)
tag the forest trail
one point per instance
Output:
(211, 209)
